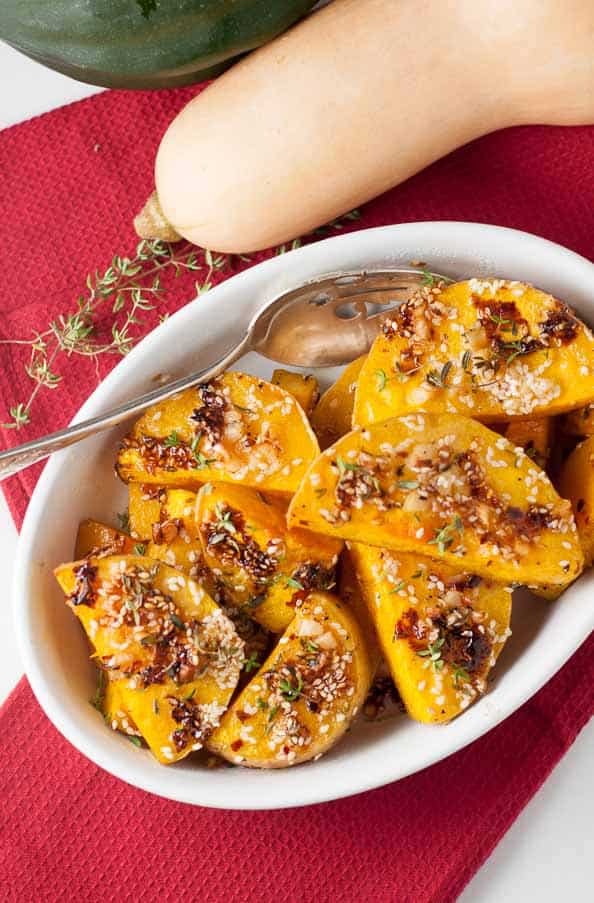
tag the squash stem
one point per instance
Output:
(151, 222)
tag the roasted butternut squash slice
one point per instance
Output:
(163, 521)
(447, 487)
(305, 695)
(303, 387)
(349, 591)
(113, 707)
(440, 630)
(576, 483)
(265, 569)
(580, 422)
(169, 516)
(156, 630)
(97, 540)
(237, 429)
(534, 436)
(333, 413)
(489, 349)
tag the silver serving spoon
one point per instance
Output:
(325, 323)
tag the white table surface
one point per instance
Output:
(546, 855)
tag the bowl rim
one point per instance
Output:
(341, 787)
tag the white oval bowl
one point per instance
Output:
(80, 482)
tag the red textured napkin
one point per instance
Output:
(71, 182)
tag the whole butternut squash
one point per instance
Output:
(357, 98)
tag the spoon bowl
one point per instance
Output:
(334, 319)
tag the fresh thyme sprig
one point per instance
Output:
(433, 653)
(445, 537)
(129, 289)
(439, 378)
(126, 295)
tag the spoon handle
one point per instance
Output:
(15, 459)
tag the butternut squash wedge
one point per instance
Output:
(333, 413)
(580, 422)
(305, 695)
(534, 436)
(304, 388)
(265, 569)
(96, 539)
(447, 487)
(576, 483)
(489, 349)
(113, 707)
(237, 429)
(169, 516)
(440, 630)
(163, 522)
(349, 591)
(154, 629)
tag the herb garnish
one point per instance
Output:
(444, 538)
(251, 663)
(382, 379)
(131, 286)
(433, 653)
(255, 601)
(176, 620)
(408, 484)
(201, 460)
(439, 379)
(140, 548)
(291, 691)
(172, 440)
(97, 700)
(460, 674)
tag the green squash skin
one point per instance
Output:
(111, 43)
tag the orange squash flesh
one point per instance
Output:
(237, 429)
(94, 538)
(446, 487)
(441, 631)
(332, 416)
(264, 568)
(534, 436)
(176, 658)
(576, 483)
(304, 388)
(488, 349)
(305, 695)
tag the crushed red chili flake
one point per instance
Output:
(83, 592)
(227, 539)
(210, 416)
(314, 576)
(560, 324)
(357, 484)
(156, 455)
(194, 726)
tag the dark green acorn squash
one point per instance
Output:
(143, 43)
